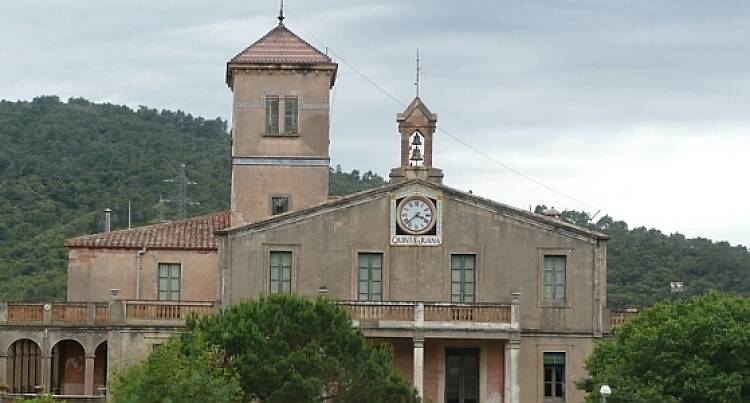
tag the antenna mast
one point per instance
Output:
(419, 70)
(281, 12)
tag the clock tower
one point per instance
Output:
(416, 125)
(280, 138)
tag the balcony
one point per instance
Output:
(618, 317)
(387, 316)
(117, 312)
(435, 319)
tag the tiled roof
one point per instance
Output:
(281, 45)
(192, 233)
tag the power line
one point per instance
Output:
(181, 199)
(453, 137)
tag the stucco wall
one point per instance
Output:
(249, 130)
(509, 259)
(531, 375)
(252, 185)
(93, 272)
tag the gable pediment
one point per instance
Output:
(457, 202)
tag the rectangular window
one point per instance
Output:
(281, 272)
(370, 267)
(554, 278)
(463, 278)
(279, 204)
(272, 115)
(554, 376)
(169, 281)
(290, 115)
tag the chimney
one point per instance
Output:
(107, 220)
(552, 213)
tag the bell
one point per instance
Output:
(417, 140)
(416, 155)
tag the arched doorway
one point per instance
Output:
(68, 368)
(100, 368)
(24, 366)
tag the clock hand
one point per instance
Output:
(413, 217)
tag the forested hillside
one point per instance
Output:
(642, 262)
(62, 163)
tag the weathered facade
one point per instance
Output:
(508, 248)
(481, 302)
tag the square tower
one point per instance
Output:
(280, 129)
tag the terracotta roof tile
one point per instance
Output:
(280, 45)
(192, 233)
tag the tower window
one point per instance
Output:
(290, 115)
(279, 204)
(272, 115)
(281, 272)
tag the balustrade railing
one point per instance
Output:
(380, 310)
(101, 313)
(19, 312)
(120, 311)
(429, 311)
(69, 312)
(493, 313)
(167, 310)
(618, 317)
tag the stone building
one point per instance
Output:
(481, 301)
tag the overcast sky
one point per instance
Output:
(640, 108)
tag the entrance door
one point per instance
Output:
(462, 375)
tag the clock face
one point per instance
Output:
(416, 215)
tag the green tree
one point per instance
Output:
(62, 163)
(691, 351)
(290, 349)
(175, 373)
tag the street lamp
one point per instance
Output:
(606, 392)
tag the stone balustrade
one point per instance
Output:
(102, 313)
(618, 317)
(445, 315)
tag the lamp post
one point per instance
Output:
(605, 391)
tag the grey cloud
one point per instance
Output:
(551, 88)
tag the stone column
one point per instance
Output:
(419, 365)
(88, 383)
(46, 376)
(3, 369)
(512, 392)
(515, 310)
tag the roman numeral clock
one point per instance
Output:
(416, 220)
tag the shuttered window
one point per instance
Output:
(272, 115)
(463, 269)
(281, 272)
(554, 278)
(169, 281)
(370, 268)
(290, 115)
